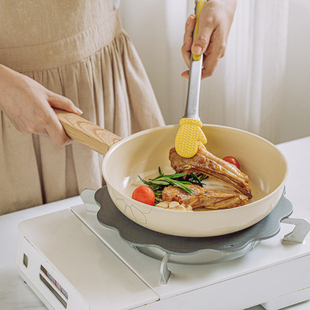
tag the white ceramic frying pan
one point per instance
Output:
(142, 154)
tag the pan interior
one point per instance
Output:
(141, 154)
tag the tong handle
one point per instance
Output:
(198, 8)
(192, 102)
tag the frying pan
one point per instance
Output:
(142, 153)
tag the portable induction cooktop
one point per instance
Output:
(89, 257)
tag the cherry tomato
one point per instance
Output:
(232, 160)
(144, 194)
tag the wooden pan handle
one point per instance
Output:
(87, 133)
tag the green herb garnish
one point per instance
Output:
(178, 179)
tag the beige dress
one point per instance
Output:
(77, 49)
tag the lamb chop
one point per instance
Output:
(202, 197)
(208, 164)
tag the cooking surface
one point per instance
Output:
(264, 178)
(15, 294)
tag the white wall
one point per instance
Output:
(296, 97)
(146, 22)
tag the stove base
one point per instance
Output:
(96, 268)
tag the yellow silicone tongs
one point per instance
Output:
(190, 134)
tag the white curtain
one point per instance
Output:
(245, 91)
(255, 67)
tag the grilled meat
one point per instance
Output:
(203, 198)
(208, 164)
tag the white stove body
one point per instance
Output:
(72, 262)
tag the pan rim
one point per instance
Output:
(198, 213)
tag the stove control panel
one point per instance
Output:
(53, 290)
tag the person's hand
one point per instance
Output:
(28, 105)
(215, 21)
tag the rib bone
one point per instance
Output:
(208, 164)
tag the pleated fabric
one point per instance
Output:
(97, 68)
